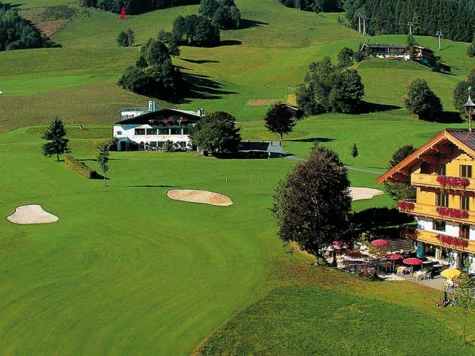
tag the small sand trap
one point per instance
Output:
(31, 214)
(200, 196)
(358, 193)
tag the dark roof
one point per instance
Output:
(465, 136)
(161, 115)
(380, 45)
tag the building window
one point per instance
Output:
(163, 131)
(442, 200)
(185, 131)
(176, 131)
(465, 231)
(438, 225)
(151, 131)
(119, 133)
(465, 203)
(440, 169)
(465, 171)
(140, 131)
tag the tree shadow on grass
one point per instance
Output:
(366, 107)
(96, 175)
(245, 23)
(202, 87)
(450, 117)
(199, 61)
(229, 43)
(313, 139)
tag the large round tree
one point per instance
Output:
(216, 133)
(312, 202)
(421, 101)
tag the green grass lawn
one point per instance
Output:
(126, 270)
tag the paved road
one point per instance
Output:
(351, 168)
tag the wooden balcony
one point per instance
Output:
(430, 211)
(430, 180)
(431, 238)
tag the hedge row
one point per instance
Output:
(80, 167)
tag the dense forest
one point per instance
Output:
(135, 6)
(313, 5)
(18, 33)
(454, 18)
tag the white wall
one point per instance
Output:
(451, 229)
(128, 131)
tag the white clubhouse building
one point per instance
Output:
(150, 128)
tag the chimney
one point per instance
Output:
(152, 106)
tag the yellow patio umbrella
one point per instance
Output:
(450, 273)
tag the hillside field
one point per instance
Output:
(127, 271)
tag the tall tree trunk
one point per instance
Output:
(464, 324)
(105, 182)
(57, 156)
(281, 139)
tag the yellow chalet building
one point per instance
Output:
(443, 172)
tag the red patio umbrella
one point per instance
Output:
(379, 242)
(412, 261)
(395, 256)
(355, 254)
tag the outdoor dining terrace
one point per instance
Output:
(379, 261)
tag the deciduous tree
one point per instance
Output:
(279, 120)
(312, 203)
(421, 101)
(465, 296)
(56, 135)
(216, 133)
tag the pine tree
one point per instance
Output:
(354, 151)
(56, 135)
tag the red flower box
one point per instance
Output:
(453, 213)
(453, 181)
(404, 205)
(449, 240)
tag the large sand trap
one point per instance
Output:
(31, 214)
(358, 193)
(200, 196)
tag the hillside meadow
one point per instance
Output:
(126, 270)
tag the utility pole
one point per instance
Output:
(439, 35)
(410, 24)
(364, 17)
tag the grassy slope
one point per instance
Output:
(130, 271)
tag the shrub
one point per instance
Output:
(169, 146)
(79, 167)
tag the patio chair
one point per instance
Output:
(428, 275)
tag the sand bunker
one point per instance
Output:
(358, 193)
(31, 214)
(200, 196)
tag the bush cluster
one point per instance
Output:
(154, 74)
(223, 13)
(17, 32)
(195, 31)
(313, 5)
(80, 167)
(328, 88)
